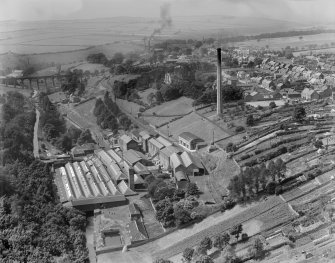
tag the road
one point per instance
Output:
(36, 148)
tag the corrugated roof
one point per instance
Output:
(140, 168)
(137, 232)
(125, 190)
(164, 141)
(175, 160)
(131, 157)
(187, 159)
(156, 143)
(98, 200)
(189, 136)
(180, 175)
(168, 151)
(114, 155)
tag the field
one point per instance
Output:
(81, 115)
(324, 190)
(280, 43)
(199, 126)
(180, 106)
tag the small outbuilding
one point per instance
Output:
(189, 140)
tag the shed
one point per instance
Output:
(189, 140)
(181, 179)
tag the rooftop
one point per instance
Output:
(188, 136)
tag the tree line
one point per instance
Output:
(34, 226)
(222, 242)
(55, 130)
(109, 116)
(17, 127)
(174, 207)
(251, 181)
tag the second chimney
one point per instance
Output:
(218, 84)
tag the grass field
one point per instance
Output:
(198, 126)
(279, 43)
(179, 106)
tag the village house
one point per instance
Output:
(268, 84)
(309, 94)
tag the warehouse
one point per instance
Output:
(87, 186)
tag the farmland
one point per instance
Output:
(279, 43)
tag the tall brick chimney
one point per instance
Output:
(218, 83)
(131, 180)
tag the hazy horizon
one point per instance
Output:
(303, 11)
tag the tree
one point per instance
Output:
(181, 215)
(198, 44)
(236, 230)
(244, 237)
(221, 241)
(64, 143)
(299, 113)
(192, 189)
(170, 92)
(165, 213)
(257, 250)
(230, 256)
(272, 105)
(318, 144)
(159, 97)
(271, 187)
(150, 98)
(125, 122)
(188, 254)
(280, 167)
(232, 93)
(118, 58)
(161, 260)
(204, 259)
(250, 120)
(85, 137)
(231, 147)
(205, 244)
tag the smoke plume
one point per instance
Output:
(165, 20)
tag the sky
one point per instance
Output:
(313, 11)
